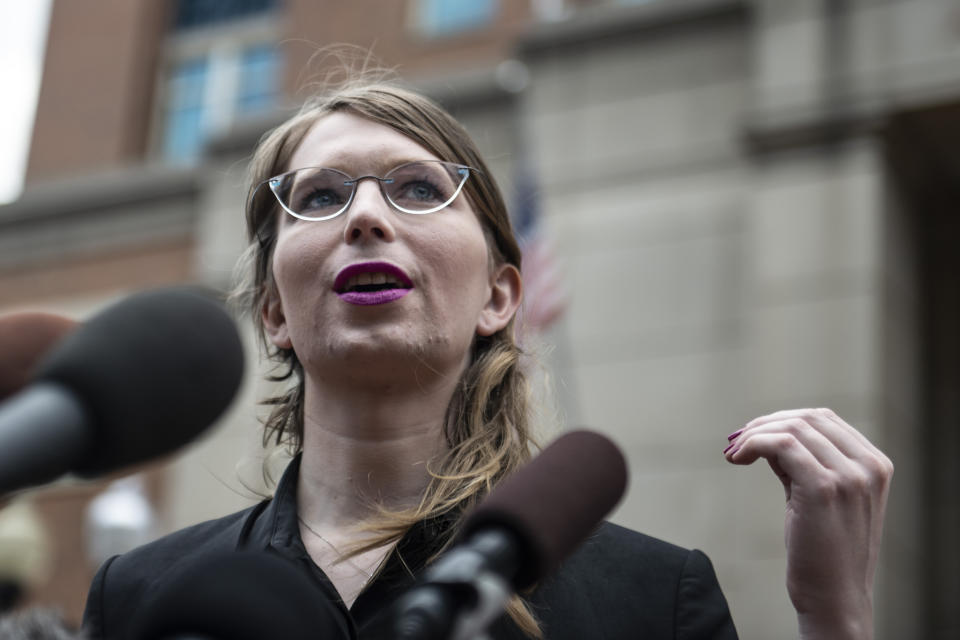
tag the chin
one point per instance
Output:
(396, 355)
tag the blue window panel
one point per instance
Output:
(445, 17)
(187, 83)
(259, 79)
(184, 132)
(200, 13)
(183, 136)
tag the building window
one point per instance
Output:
(185, 107)
(258, 71)
(437, 18)
(204, 13)
(208, 93)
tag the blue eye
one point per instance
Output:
(321, 199)
(422, 191)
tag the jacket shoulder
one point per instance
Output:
(165, 553)
(123, 580)
(615, 543)
(624, 584)
(624, 564)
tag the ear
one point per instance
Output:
(506, 292)
(274, 321)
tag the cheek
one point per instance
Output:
(462, 270)
(295, 260)
(459, 250)
(284, 275)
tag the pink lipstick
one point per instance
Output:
(369, 283)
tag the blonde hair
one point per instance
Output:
(487, 424)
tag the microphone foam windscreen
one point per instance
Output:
(25, 338)
(237, 595)
(553, 503)
(153, 371)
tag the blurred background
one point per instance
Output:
(730, 207)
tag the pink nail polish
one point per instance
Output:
(734, 434)
(729, 446)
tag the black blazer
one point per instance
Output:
(619, 585)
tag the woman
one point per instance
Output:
(386, 276)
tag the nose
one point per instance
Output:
(369, 215)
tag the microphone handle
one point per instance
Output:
(463, 592)
(42, 434)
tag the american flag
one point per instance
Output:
(544, 297)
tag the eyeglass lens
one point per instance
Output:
(416, 187)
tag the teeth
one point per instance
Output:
(371, 278)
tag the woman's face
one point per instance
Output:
(441, 288)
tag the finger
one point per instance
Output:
(785, 452)
(821, 415)
(789, 461)
(850, 441)
(823, 448)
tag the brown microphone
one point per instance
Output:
(25, 338)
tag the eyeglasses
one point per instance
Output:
(320, 193)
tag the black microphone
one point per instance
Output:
(238, 595)
(519, 534)
(136, 381)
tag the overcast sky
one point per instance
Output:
(23, 32)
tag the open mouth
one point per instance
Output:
(375, 281)
(369, 283)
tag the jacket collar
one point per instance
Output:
(275, 526)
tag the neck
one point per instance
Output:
(367, 446)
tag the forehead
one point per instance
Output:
(353, 143)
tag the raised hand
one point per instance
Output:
(836, 485)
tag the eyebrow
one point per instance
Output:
(380, 165)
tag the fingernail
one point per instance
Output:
(734, 434)
(729, 446)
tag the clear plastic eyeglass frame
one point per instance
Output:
(392, 188)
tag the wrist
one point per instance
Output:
(839, 627)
